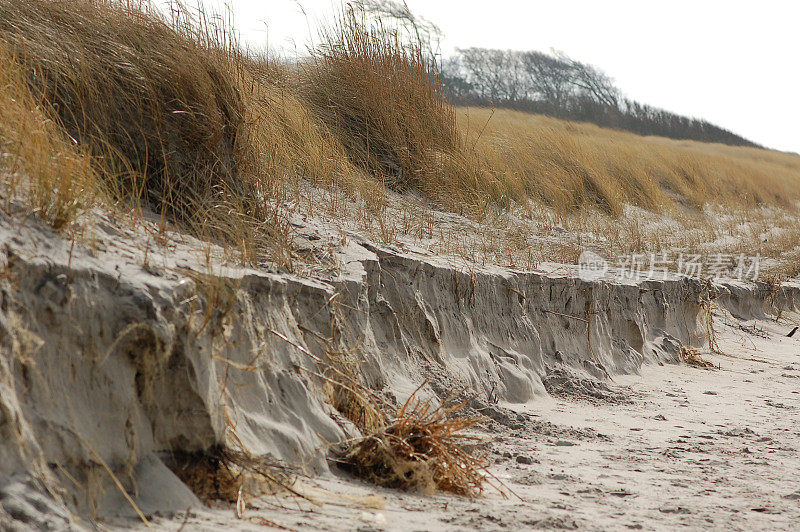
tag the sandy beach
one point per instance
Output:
(672, 447)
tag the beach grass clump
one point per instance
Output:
(153, 99)
(39, 166)
(382, 98)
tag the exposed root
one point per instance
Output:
(221, 474)
(691, 356)
(423, 449)
(708, 306)
(417, 447)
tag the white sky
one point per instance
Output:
(733, 63)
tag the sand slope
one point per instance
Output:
(117, 352)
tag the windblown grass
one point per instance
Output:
(39, 165)
(164, 105)
(293, 143)
(569, 166)
(154, 100)
(383, 101)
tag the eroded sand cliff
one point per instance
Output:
(118, 352)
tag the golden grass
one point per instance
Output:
(347, 393)
(294, 144)
(569, 165)
(39, 166)
(384, 103)
(415, 447)
(168, 113)
(152, 99)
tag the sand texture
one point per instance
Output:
(125, 347)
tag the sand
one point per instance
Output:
(125, 346)
(673, 447)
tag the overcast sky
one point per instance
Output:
(733, 63)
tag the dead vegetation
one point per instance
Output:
(164, 111)
(568, 166)
(691, 356)
(416, 447)
(163, 106)
(227, 475)
(423, 448)
(346, 392)
(38, 164)
(707, 309)
(153, 100)
(217, 295)
(382, 100)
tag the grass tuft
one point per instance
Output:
(164, 106)
(383, 101)
(38, 163)
(423, 449)
(154, 100)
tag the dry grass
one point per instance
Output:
(296, 148)
(347, 393)
(153, 100)
(568, 165)
(382, 100)
(165, 106)
(217, 296)
(422, 449)
(691, 356)
(38, 164)
(384, 103)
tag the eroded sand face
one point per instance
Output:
(673, 447)
(114, 358)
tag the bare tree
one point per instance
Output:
(549, 78)
(557, 85)
(597, 84)
(494, 73)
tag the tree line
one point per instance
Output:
(559, 86)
